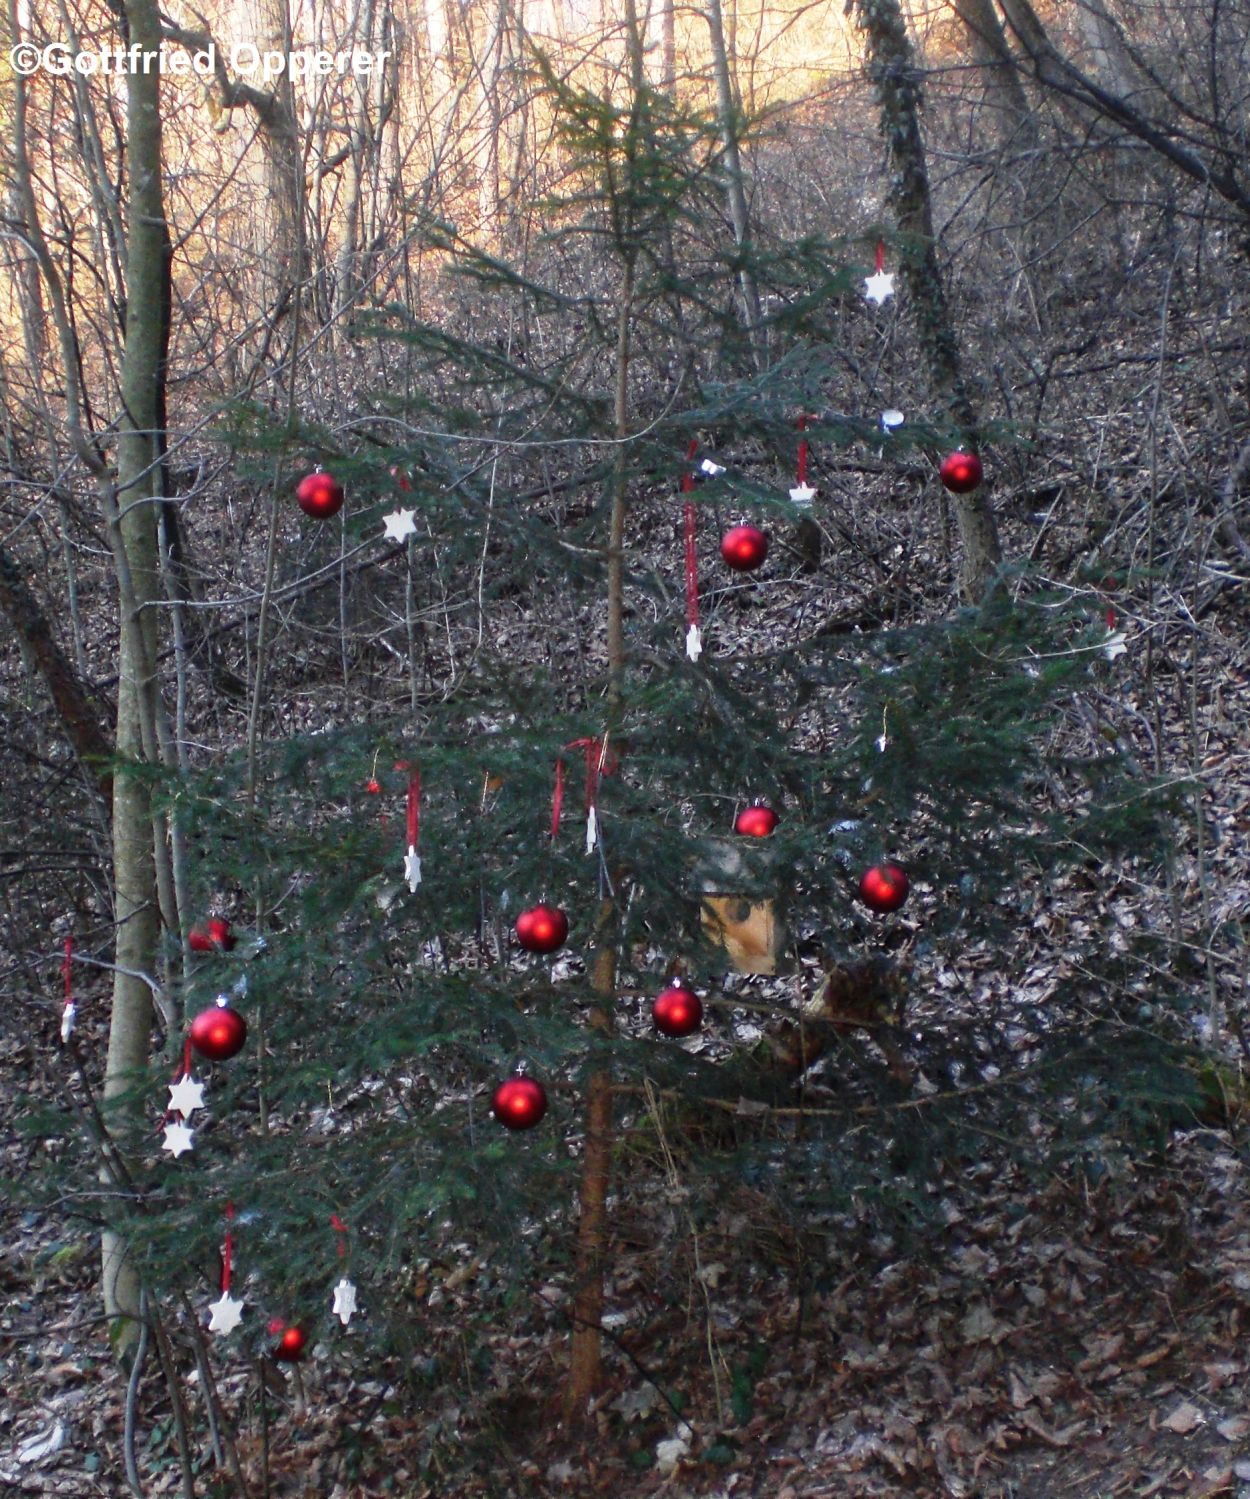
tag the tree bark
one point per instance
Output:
(897, 81)
(1005, 91)
(281, 247)
(79, 717)
(735, 187)
(131, 512)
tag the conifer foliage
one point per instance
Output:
(383, 1012)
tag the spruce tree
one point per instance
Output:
(545, 470)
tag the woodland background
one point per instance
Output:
(209, 285)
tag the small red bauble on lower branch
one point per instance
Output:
(519, 1103)
(756, 821)
(744, 548)
(320, 495)
(542, 928)
(961, 472)
(219, 1032)
(292, 1341)
(677, 1011)
(884, 887)
(213, 936)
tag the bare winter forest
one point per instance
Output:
(624, 797)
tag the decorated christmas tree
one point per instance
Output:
(607, 830)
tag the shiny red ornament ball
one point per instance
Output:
(218, 1033)
(961, 472)
(542, 928)
(756, 821)
(884, 887)
(373, 786)
(678, 1010)
(320, 495)
(291, 1343)
(213, 936)
(519, 1103)
(744, 548)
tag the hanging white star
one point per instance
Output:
(694, 643)
(711, 469)
(412, 869)
(1114, 645)
(225, 1315)
(802, 495)
(186, 1095)
(68, 1016)
(879, 286)
(891, 419)
(592, 831)
(344, 1301)
(399, 525)
(178, 1139)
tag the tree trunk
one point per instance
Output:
(668, 45)
(1004, 90)
(1111, 64)
(280, 248)
(727, 113)
(586, 1343)
(893, 72)
(77, 713)
(132, 515)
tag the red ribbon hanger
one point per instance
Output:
(694, 640)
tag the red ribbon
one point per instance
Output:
(414, 806)
(227, 1251)
(880, 261)
(601, 760)
(340, 1228)
(692, 555)
(557, 799)
(802, 467)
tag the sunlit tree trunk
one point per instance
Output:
(1004, 90)
(280, 243)
(728, 117)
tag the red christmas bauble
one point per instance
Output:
(291, 1343)
(884, 887)
(542, 928)
(756, 821)
(744, 548)
(678, 1010)
(519, 1103)
(373, 786)
(218, 1033)
(961, 472)
(213, 936)
(320, 495)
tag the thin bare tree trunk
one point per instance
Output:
(727, 113)
(895, 77)
(131, 512)
(586, 1344)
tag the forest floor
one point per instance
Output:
(1040, 1339)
